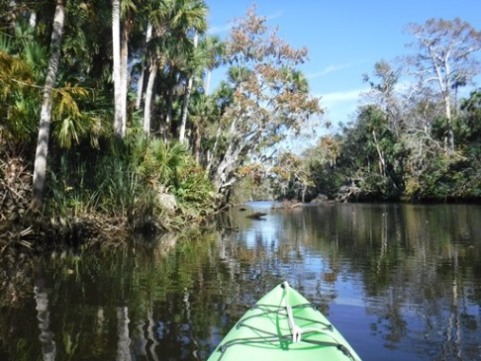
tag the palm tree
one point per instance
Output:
(128, 10)
(188, 91)
(194, 21)
(160, 20)
(203, 60)
(18, 96)
(140, 83)
(117, 71)
(40, 166)
(122, 25)
(156, 12)
(172, 23)
(202, 110)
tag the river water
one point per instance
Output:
(400, 282)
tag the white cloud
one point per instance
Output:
(327, 70)
(340, 106)
(274, 15)
(334, 98)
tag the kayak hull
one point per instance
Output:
(283, 326)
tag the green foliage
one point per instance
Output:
(18, 98)
(171, 168)
(371, 158)
(160, 161)
(290, 178)
(394, 150)
(327, 180)
(263, 100)
(468, 124)
(127, 180)
(252, 188)
(372, 163)
(437, 182)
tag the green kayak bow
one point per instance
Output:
(283, 326)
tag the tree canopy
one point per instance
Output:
(119, 93)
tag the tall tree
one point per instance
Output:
(119, 129)
(128, 10)
(268, 101)
(174, 22)
(148, 97)
(445, 56)
(40, 166)
(160, 20)
(383, 93)
(186, 98)
(191, 20)
(202, 110)
(122, 24)
(140, 83)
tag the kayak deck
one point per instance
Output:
(283, 325)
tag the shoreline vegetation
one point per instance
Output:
(95, 209)
(108, 127)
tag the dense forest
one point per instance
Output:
(414, 138)
(107, 117)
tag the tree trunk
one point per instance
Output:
(40, 166)
(12, 16)
(148, 99)
(124, 73)
(447, 105)
(165, 128)
(32, 20)
(223, 177)
(140, 84)
(382, 162)
(185, 105)
(443, 76)
(117, 77)
(207, 81)
(185, 110)
(211, 155)
(197, 143)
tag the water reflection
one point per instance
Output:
(400, 281)
(46, 337)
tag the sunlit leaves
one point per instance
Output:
(70, 123)
(18, 97)
(171, 168)
(270, 97)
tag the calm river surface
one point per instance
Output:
(401, 282)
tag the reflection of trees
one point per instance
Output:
(145, 303)
(16, 273)
(176, 297)
(17, 339)
(417, 261)
(123, 334)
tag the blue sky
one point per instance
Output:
(345, 38)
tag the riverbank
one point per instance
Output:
(39, 233)
(103, 197)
